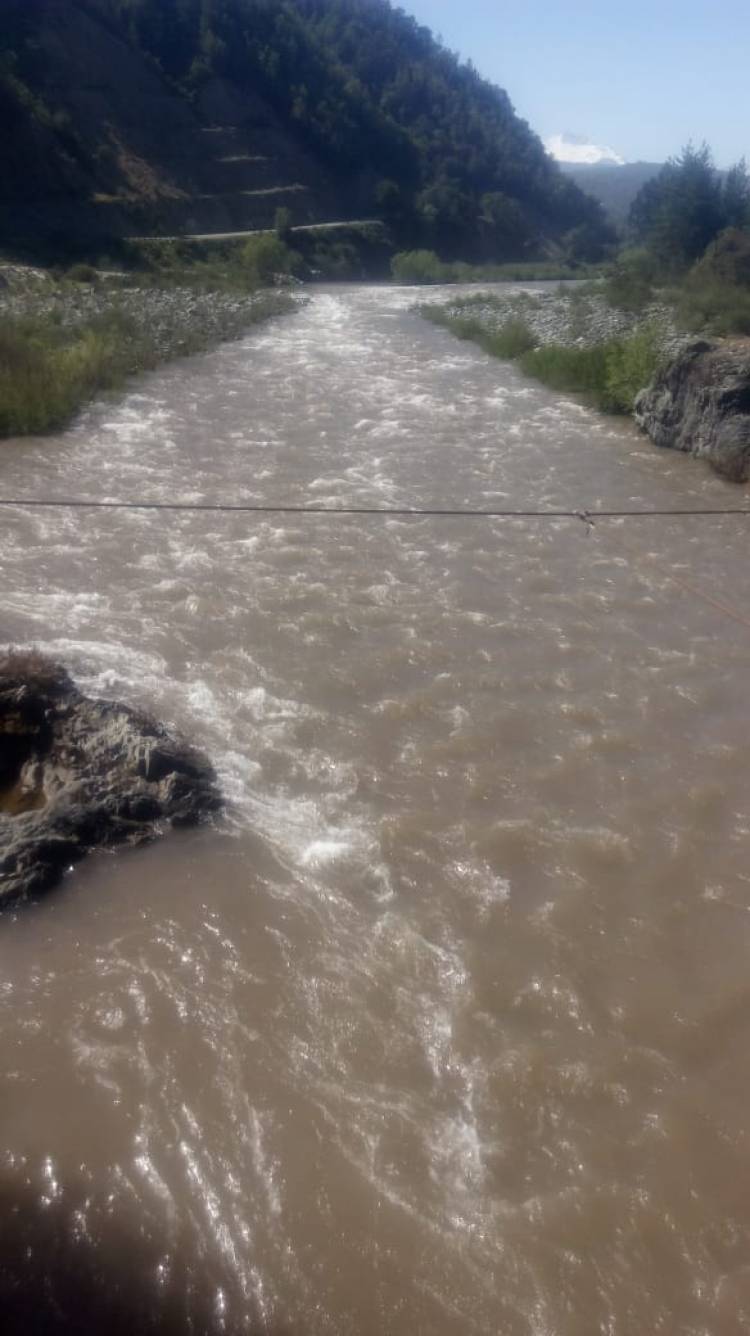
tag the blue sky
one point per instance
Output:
(642, 78)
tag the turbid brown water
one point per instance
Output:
(444, 1029)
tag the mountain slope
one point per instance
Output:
(105, 145)
(614, 185)
(207, 115)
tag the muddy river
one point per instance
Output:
(443, 1030)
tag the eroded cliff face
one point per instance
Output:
(700, 403)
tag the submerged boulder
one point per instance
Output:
(79, 774)
(700, 403)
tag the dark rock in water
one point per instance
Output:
(79, 774)
(700, 403)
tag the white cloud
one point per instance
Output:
(576, 148)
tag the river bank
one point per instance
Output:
(685, 393)
(63, 342)
(576, 316)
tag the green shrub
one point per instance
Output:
(508, 341)
(220, 266)
(571, 370)
(632, 364)
(610, 374)
(713, 307)
(713, 297)
(337, 259)
(82, 273)
(726, 261)
(418, 266)
(513, 339)
(630, 282)
(265, 256)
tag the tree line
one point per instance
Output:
(683, 209)
(688, 236)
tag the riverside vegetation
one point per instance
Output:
(684, 271)
(572, 341)
(69, 335)
(424, 267)
(687, 244)
(66, 338)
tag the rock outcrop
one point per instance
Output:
(78, 774)
(700, 403)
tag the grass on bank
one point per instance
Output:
(48, 372)
(45, 375)
(48, 369)
(608, 375)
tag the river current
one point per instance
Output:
(443, 1029)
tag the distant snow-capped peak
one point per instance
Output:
(576, 148)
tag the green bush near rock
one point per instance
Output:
(710, 306)
(631, 279)
(575, 370)
(726, 261)
(632, 364)
(610, 375)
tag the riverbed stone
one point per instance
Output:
(78, 774)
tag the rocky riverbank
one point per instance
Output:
(572, 316)
(78, 774)
(700, 403)
(64, 342)
(685, 393)
(170, 321)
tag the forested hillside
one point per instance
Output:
(177, 115)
